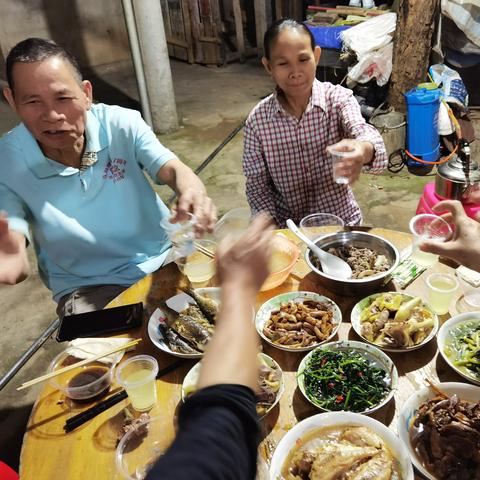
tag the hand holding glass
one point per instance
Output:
(426, 227)
(197, 266)
(338, 159)
(181, 234)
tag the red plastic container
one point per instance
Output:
(429, 199)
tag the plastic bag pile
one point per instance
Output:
(372, 43)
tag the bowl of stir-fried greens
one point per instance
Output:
(347, 376)
(459, 344)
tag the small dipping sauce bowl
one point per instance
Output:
(82, 383)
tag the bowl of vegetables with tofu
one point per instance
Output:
(459, 344)
(394, 322)
(347, 376)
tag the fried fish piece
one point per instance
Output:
(187, 327)
(175, 341)
(208, 306)
(195, 312)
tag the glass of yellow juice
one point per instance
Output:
(198, 267)
(441, 288)
(137, 376)
(426, 227)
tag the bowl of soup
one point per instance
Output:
(283, 258)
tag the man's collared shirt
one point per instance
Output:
(288, 171)
(99, 224)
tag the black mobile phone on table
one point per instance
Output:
(100, 322)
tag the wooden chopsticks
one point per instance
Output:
(78, 364)
(204, 250)
(83, 417)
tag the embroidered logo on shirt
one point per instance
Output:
(115, 170)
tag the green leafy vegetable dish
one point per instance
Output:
(462, 347)
(348, 376)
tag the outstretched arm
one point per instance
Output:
(13, 254)
(241, 269)
(192, 195)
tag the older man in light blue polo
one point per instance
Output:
(72, 183)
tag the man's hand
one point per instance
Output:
(13, 256)
(196, 201)
(360, 154)
(192, 196)
(463, 247)
(245, 260)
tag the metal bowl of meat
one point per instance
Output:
(371, 257)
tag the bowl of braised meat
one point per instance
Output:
(371, 257)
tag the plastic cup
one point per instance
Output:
(427, 227)
(441, 288)
(234, 222)
(137, 376)
(338, 157)
(181, 234)
(198, 267)
(310, 224)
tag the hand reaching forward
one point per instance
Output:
(13, 256)
(245, 261)
(464, 245)
(359, 154)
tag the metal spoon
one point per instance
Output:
(331, 264)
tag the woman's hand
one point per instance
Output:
(359, 154)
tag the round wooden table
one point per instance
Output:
(89, 451)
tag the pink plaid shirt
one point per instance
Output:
(288, 172)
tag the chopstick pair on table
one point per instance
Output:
(78, 364)
(83, 417)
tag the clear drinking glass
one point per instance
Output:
(441, 288)
(310, 224)
(198, 267)
(338, 157)
(181, 234)
(427, 227)
(137, 376)
(234, 222)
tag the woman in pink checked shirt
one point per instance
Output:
(288, 171)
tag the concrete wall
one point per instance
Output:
(93, 30)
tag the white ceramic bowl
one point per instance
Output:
(191, 378)
(274, 303)
(365, 302)
(176, 303)
(444, 336)
(410, 410)
(339, 418)
(373, 354)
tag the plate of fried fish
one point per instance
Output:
(184, 324)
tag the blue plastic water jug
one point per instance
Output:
(422, 124)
